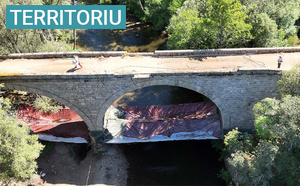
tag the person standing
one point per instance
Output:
(280, 60)
(76, 62)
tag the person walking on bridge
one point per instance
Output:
(76, 62)
(280, 60)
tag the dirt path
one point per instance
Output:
(62, 166)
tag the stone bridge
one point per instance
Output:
(234, 90)
(89, 96)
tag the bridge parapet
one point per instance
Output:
(226, 51)
(157, 53)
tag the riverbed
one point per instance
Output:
(137, 37)
(174, 162)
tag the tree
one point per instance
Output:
(289, 82)
(265, 32)
(215, 24)
(273, 156)
(158, 12)
(234, 23)
(18, 149)
(23, 41)
(273, 21)
(184, 32)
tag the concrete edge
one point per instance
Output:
(44, 55)
(157, 53)
(227, 51)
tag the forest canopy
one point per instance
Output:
(234, 23)
(26, 41)
(200, 24)
(190, 24)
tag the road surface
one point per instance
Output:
(143, 64)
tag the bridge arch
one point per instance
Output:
(56, 98)
(139, 85)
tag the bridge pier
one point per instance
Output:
(98, 139)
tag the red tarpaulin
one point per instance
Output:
(145, 122)
(65, 123)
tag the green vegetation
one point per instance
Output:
(213, 24)
(18, 149)
(201, 24)
(270, 156)
(47, 147)
(95, 2)
(191, 24)
(234, 23)
(158, 12)
(289, 82)
(272, 21)
(56, 2)
(41, 40)
(46, 105)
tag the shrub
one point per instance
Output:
(46, 105)
(289, 82)
(18, 149)
(293, 40)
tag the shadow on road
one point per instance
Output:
(72, 70)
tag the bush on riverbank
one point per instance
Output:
(46, 105)
(158, 12)
(271, 155)
(18, 149)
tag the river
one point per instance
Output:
(175, 162)
(137, 37)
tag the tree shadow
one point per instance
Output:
(198, 58)
(159, 95)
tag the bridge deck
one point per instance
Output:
(144, 64)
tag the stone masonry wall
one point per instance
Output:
(89, 96)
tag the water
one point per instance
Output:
(175, 162)
(137, 37)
